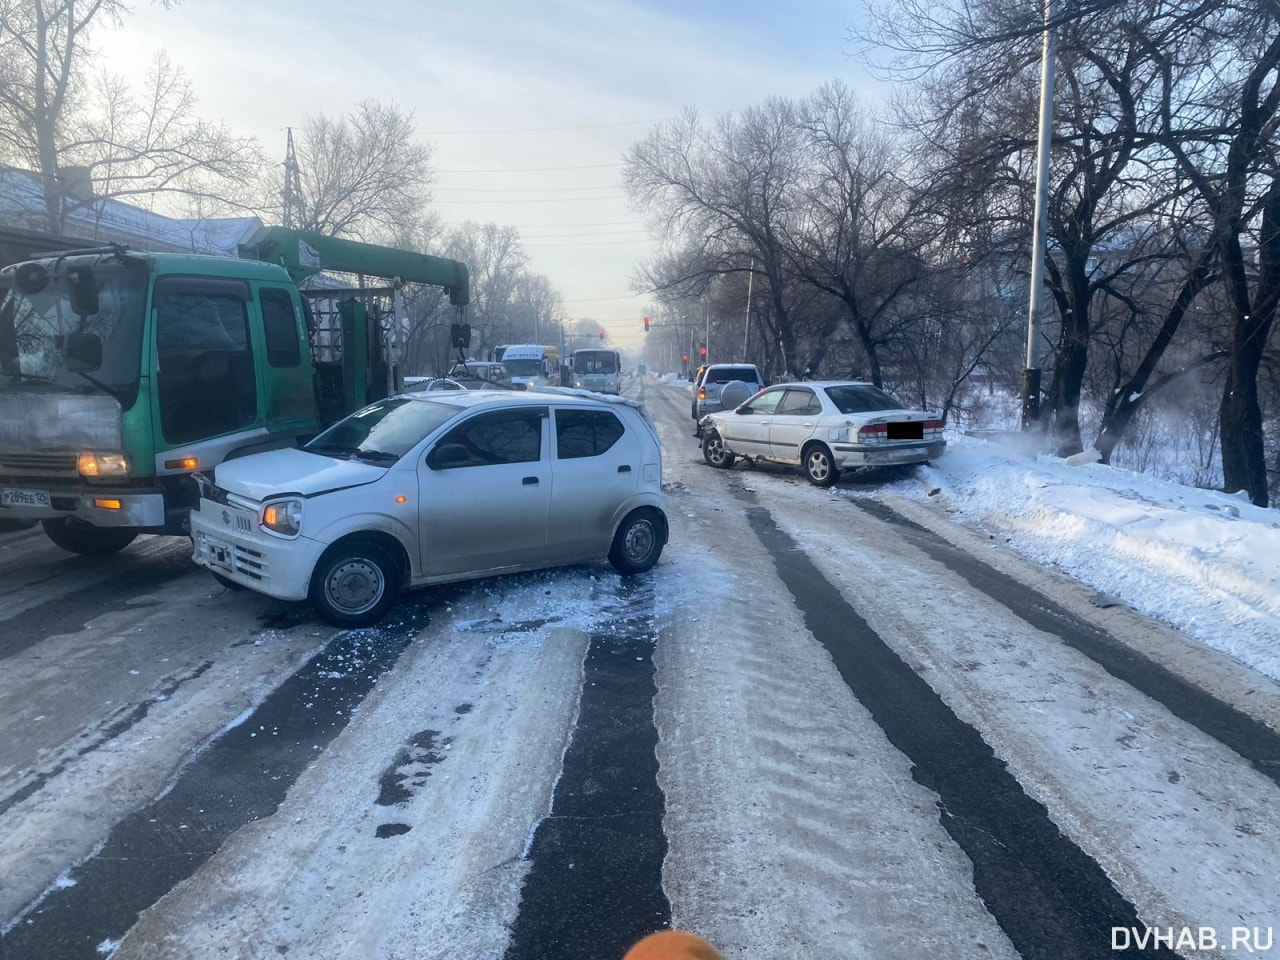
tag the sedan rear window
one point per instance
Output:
(861, 398)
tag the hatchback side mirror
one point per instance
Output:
(447, 455)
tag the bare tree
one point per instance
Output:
(1219, 114)
(155, 145)
(860, 233)
(55, 115)
(43, 45)
(726, 193)
(363, 175)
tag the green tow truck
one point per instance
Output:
(122, 373)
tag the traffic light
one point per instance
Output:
(646, 324)
(602, 334)
(702, 349)
(684, 357)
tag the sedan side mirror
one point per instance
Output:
(745, 408)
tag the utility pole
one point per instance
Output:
(292, 185)
(1031, 374)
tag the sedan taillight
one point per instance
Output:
(873, 433)
(702, 393)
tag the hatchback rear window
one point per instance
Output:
(726, 374)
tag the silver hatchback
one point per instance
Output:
(427, 488)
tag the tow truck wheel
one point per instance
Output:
(80, 537)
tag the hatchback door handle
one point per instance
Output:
(530, 481)
(625, 468)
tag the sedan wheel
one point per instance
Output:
(638, 542)
(354, 586)
(714, 452)
(819, 467)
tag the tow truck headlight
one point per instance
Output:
(283, 517)
(102, 466)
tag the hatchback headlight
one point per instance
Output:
(283, 517)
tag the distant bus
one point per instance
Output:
(530, 363)
(598, 370)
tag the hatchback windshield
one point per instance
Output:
(383, 431)
(861, 398)
(34, 327)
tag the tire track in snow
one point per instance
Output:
(1052, 900)
(594, 885)
(1247, 736)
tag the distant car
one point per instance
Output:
(488, 370)
(823, 427)
(721, 386)
(425, 384)
(430, 487)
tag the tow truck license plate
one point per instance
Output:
(24, 498)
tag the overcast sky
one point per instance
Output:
(505, 90)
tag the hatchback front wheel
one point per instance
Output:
(354, 586)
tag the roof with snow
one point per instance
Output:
(105, 219)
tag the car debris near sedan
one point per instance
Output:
(432, 487)
(823, 427)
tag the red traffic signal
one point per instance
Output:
(602, 333)
(702, 350)
(646, 324)
(684, 357)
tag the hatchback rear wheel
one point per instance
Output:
(638, 542)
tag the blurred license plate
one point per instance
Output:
(217, 552)
(24, 498)
(906, 431)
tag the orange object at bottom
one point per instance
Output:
(672, 945)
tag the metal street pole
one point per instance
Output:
(1031, 374)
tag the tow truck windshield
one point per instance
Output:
(34, 328)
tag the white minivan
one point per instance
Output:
(428, 488)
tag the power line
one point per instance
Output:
(602, 243)
(603, 186)
(632, 296)
(573, 233)
(618, 196)
(585, 166)
(540, 226)
(581, 126)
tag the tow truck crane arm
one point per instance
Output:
(304, 254)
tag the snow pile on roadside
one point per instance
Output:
(1205, 562)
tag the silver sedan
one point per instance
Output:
(823, 427)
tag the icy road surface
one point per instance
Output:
(828, 724)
